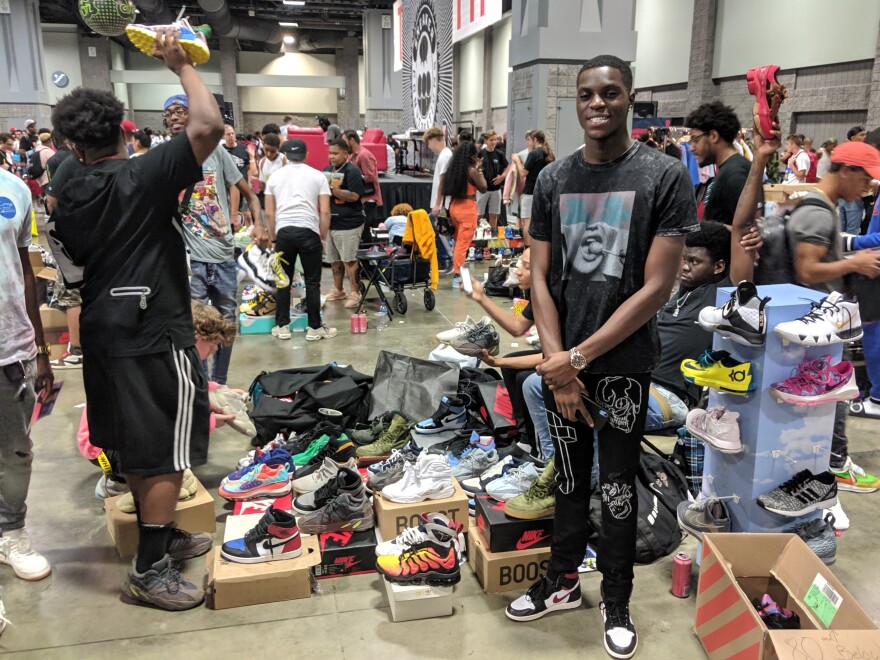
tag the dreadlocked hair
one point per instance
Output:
(89, 118)
(455, 181)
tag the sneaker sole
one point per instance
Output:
(570, 605)
(293, 554)
(786, 338)
(320, 337)
(850, 488)
(431, 579)
(136, 597)
(446, 427)
(283, 489)
(529, 515)
(824, 504)
(29, 577)
(144, 39)
(67, 366)
(421, 497)
(737, 336)
(847, 393)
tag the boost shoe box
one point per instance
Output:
(392, 518)
(193, 515)
(236, 585)
(505, 571)
(736, 569)
(346, 553)
(505, 534)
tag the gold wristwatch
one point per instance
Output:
(577, 360)
(44, 349)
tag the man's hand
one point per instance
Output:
(752, 241)
(766, 148)
(570, 404)
(476, 294)
(260, 235)
(498, 179)
(866, 262)
(235, 221)
(167, 47)
(45, 378)
(248, 218)
(489, 359)
(556, 370)
(435, 211)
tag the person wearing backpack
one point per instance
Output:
(38, 159)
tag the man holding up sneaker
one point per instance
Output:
(607, 228)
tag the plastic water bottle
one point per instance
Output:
(382, 317)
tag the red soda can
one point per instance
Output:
(362, 322)
(355, 324)
(681, 575)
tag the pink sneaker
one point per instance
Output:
(816, 382)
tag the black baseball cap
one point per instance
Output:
(855, 130)
(294, 149)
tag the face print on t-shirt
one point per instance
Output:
(204, 217)
(595, 234)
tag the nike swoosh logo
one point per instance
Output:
(522, 545)
(559, 598)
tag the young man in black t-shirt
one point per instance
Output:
(495, 167)
(608, 225)
(147, 393)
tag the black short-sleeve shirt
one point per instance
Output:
(722, 194)
(115, 218)
(535, 163)
(347, 215)
(494, 163)
(601, 221)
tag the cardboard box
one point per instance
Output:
(738, 568)
(36, 259)
(256, 325)
(260, 505)
(193, 515)
(392, 518)
(505, 534)
(498, 572)
(52, 319)
(237, 585)
(417, 601)
(346, 553)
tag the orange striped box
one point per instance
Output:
(736, 569)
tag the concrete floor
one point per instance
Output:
(77, 612)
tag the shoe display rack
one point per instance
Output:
(778, 439)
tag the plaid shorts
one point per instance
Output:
(65, 297)
(693, 451)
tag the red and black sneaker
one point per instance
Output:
(545, 596)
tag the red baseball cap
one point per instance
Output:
(858, 154)
(128, 126)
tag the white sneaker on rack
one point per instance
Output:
(833, 320)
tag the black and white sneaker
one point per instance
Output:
(255, 262)
(803, 493)
(545, 596)
(741, 318)
(620, 637)
(833, 320)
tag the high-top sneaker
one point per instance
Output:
(348, 511)
(396, 456)
(256, 262)
(275, 537)
(538, 501)
(450, 415)
(434, 560)
(621, 638)
(741, 318)
(394, 437)
(546, 596)
(339, 450)
(394, 473)
(429, 478)
(833, 320)
(346, 480)
(368, 434)
(717, 427)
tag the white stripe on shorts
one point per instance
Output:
(186, 391)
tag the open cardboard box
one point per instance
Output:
(738, 568)
(392, 517)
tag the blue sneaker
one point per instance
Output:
(486, 443)
(272, 457)
(450, 415)
(456, 280)
(192, 41)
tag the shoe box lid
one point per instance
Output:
(393, 517)
(195, 514)
(498, 572)
(256, 325)
(237, 585)
(737, 568)
(505, 534)
(259, 505)
(346, 553)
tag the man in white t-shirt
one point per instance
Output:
(298, 214)
(436, 142)
(25, 373)
(799, 163)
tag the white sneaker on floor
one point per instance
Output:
(16, 551)
(281, 332)
(841, 520)
(314, 334)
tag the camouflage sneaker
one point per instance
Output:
(164, 587)
(538, 501)
(394, 437)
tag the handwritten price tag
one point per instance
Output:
(823, 599)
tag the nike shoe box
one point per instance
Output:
(193, 515)
(410, 602)
(259, 505)
(498, 572)
(346, 553)
(505, 534)
(392, 517)
(236, 585)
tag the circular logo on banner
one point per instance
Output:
(7, 208)
(425, 67)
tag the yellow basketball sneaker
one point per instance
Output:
(717, 369)
(192, 41)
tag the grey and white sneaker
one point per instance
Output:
(478, 484)
(349, 512)
(474, 463)
(707, 515)
(324, 332)
(461, 328)
(186, 545)
(803, 493)
(514, 482)
(819, 536)
(164, 587)
(477, 339)
(327, 471)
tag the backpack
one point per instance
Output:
(776, 265)
(814, 164)
(660, 487)
(35, 167)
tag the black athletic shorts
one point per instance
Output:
(151, 409)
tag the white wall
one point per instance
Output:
(500, 57)
(117, 61)
(663, 48)
(792, 33)
(61, 53)
(152, 97)
(470, 87)
(362, 87)
(287, 99)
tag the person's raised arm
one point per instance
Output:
(517, 325)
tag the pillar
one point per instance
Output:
(22, 75)
(874, 94)
(95, 63)
(348, 114)
(701, 89)
(228, 81)
(487, 79)
(383, 86)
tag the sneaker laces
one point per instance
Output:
(853, 468)
(538, 491)
(540, 590)
(796, 483)
(170, 577)
(259, 530)
(326, 491)
(617, 613)
(410, 536)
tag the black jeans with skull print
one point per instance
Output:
(625, 397)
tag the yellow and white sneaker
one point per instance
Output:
(192, 41)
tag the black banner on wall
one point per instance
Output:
(427, 63)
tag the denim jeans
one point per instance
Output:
(851, 216)
(665, 409)
(216, 285)
(306, 244)
(16, 407)
(871, 346)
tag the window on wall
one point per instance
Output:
(823, 125)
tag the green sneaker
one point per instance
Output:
(854, 479)
(316, 445)
(394, 437)
(371, 433)
(538, 501)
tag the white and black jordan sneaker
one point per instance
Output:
(275, 537)
(741, 318)
(833, 320)
(545, 596)
(621, 638)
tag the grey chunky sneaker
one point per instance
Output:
(164, 587)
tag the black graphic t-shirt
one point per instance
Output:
(346, 215)
(241, 157)
(601, 221)
(494, 163)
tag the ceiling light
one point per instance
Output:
(295, 3)
(289, 40)
(286, 24)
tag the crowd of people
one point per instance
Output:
(611, 230)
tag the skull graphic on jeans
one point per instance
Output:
(425, 67)
(621, 397)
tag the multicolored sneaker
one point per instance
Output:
(262, 304)
(450, 415)
(193, 42)
(718, 370)
(434, 561)
(833, 320)
(72, 358)
(776, 617)
(854, 479)
(817, 382)
(273, 457)
(277, 263)
(249, 292)
(261, 481)
(275, 537)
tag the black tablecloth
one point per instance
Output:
(399, 189)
